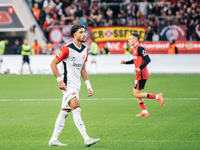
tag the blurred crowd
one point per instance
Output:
(35, 48)
(151, 14)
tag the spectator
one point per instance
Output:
(49, 4)
(71, 10)
(104, 9)
(84, 6)
(43, 14)
(36, 12)
(143, 7)
(46, 27)
(48, 49)
(149, 34)
(155, 37)
(143, 16)
(109, 13)
(17, 47)
(83, 20)
(105, 49)
(121, 18)
(172, 48)
(36, 48)
(39, 2)
(130, 20)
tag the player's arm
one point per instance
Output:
(127, 62)
(142, 52)
(64, 52)
(54, 69)
(85, 78)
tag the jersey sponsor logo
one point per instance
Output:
(144, 53)
(59, 54)
(77, 65)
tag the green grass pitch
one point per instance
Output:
(30, 104)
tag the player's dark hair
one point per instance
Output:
(136, 35)
(75, 28)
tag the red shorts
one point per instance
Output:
(139, 84)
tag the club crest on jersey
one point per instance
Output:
(144, 53)
(83, 57)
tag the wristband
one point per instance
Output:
(59, 79)
(87, 82)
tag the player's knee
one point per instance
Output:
(135, 93)
(74, 103)
(75, 107)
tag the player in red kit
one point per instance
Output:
(141, 59)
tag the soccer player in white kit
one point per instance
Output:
(73, 57)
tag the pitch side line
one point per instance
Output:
(57, 99)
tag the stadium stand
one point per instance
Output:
(150, 14)
(18, 23)
(153, 15)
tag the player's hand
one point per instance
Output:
(123, 62)
(137, 70)
(90, 92)
(62, 85)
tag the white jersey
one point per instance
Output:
(72, 58)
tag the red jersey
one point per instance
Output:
(139, 56)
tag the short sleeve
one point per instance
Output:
(64, 52)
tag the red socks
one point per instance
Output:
(142, 106)
(151, 96)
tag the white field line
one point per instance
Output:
(57, 99)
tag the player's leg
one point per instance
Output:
(76, 111)
(137, 92)
(28, 61)
(60, 121)
(159, 97)
(22, 67)
(139, 84)
(141, 103)
(1, 62)
(59, 125)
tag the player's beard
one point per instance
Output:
(82, 40)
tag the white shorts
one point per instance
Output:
(68, 95)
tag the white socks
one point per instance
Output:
(60, 122)
(79, 123)
(145, 111)
(156, 96)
